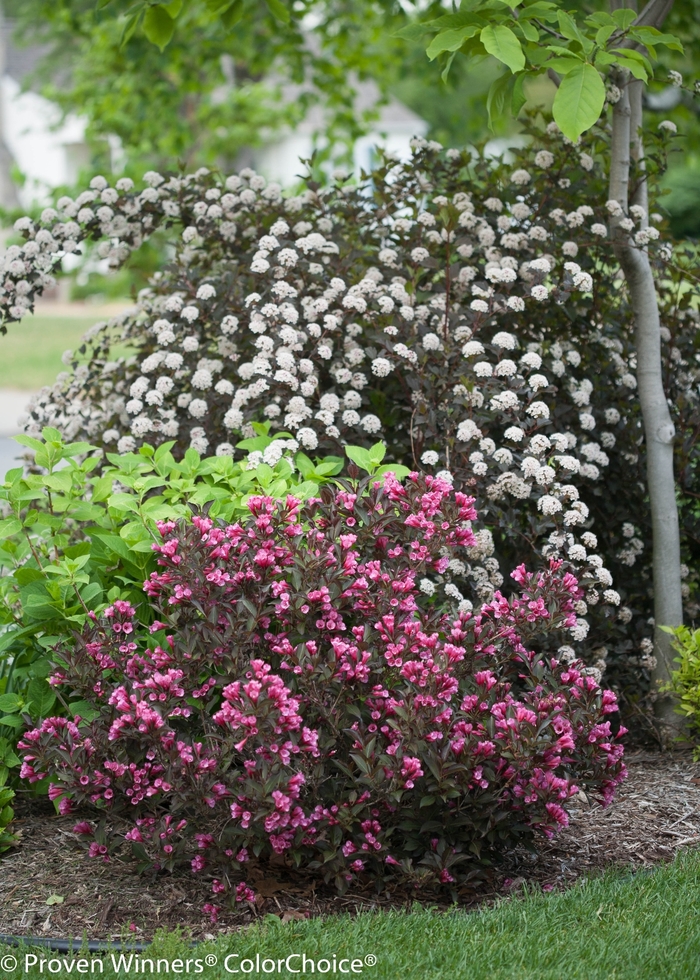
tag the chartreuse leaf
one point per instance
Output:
(360, 457)
(158, 26)
(579, 101)
(624, 17)
(377, 453)
(9, 526)
(399, 471)
(502, 43)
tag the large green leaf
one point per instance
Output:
(41, 697)
(450, 40)
(579, 101)
(502, 43)
(158, 26)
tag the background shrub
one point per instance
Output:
(300, 693)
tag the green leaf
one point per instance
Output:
(61, 481)
(448, 64)
(529, 31)
(360, 457)
(450, 40)
(41, 697)
(10, 526)
(650, 35)
(624, 17)
(563, 65)
(568, 28)
(502, 43)
(11, 702)
(12, 721)
(230, 17)
(28, 441)
(633, 67)
(496, 98)
(278, 10)
(130, 26)
(414, 32)
(123, 502)
(158, 26)
(50, 434)
(55, 900)
(399, 471)
(84, 709)
(174, 7)
(579, 101)
(542, 10)
(377, 453)
(518, 98)
(603, 34)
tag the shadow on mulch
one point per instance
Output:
(656, 812)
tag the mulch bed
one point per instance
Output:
(656, 812)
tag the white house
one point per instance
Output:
(393, 129)
(45, 149)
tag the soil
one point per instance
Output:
(51, 888)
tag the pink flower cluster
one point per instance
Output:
(299, 694)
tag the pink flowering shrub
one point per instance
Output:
(301, 694)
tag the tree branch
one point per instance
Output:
(654, 14)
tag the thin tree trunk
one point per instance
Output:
(658, 426)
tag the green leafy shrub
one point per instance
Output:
(685, 682)
(79, 533)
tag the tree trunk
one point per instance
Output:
(658, 426)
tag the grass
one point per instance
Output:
(618, 927)
(32, 350)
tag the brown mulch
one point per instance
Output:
(656, 812)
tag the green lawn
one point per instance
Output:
(31, 350)
(619, 927)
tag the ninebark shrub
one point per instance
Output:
(302, 694)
